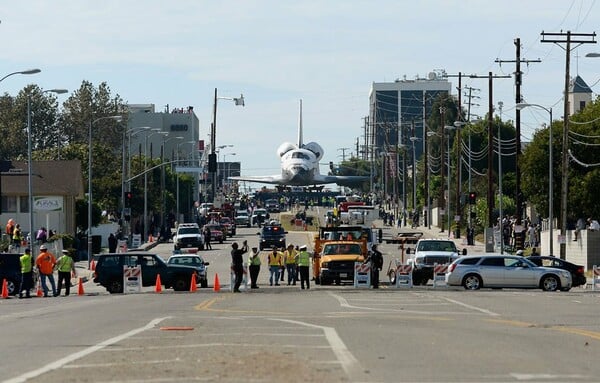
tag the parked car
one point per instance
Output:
(188, 236)
(259, 216)
(217, 233)
(10, 269)
(242, 218)
(271, 235)
(109, 271)
(577, 271)
(192, 260)
(499, 271)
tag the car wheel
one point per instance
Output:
(181, 284)
(115, 286)
(472, 282)
(11, 287)
(204, 283)
(550, 283)
(392, 277)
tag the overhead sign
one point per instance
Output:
(48, 203)
(188, 169)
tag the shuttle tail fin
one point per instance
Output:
(300, 126)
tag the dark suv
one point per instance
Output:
(10, 269)
(271, 235)
(109, 271)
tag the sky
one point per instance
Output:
(276, 52)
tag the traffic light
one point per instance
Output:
(212, 163)
(129, 196)
(472, 197)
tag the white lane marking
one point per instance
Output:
(349, 363)
(545, 377)
(126, 363)
(214, 344)
(488, 312)
(80, 354)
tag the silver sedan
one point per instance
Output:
(509, 271)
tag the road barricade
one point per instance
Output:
(244, 279)
(595, 277)
(439, 275)
(404, 276)
(132, 279)
(362, 275)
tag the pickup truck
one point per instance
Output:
(428, 252)
(109, 271)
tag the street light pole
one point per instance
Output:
(89, 233)
(523, 105)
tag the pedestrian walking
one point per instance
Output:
(66, 269)
(254, 267)
(45, 263)
(237, 263)
(207, 245)
(303, 260)
(289, 257)
(26, 273)
(274, 265)
(375, 259)
(112, 245)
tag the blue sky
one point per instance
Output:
(276, 52)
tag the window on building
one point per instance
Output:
(581, 105)
(9, 204)
(24, 204)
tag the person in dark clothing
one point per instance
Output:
(112, 243)
(207, 245)
(237, 264)
(375, 258)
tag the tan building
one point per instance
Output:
(56, 185)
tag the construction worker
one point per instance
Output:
(66, 269)
(45, 263)
(289, 257)
(303, 260)
(274, 265)
(375, 258)
(254, 267)
(26, 274)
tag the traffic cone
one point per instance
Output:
(80, 290)
(217, 285)
(39, 292)
(193, 287)
(158, 288)
(93, 265)
(4, 289)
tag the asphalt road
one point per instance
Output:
(332, 333)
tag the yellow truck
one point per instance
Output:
(335, 251)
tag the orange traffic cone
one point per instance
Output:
(217, 285)
(4, 289)
(193, 287)
(80, 290)
(158, 288)
(93, 265)
(39, 292)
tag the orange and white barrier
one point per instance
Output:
(404, 276)
(244, 279)
(595, 277)
(439, 275)
(121, 246)
(362, 275)
(132, 279)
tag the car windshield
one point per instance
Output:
(190, 261)
(342, 249)
(437, 246)
(188, 230)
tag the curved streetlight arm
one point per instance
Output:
(28, 71)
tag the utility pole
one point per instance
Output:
(578, 39)
(490, 192)
(343, 153)
(442, 199)
(518, 99)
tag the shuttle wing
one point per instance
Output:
(340, 180)
(276, 179)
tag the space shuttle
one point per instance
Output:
(300, 166)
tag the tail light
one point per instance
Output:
(580, 270)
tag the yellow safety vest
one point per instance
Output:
(290, 257)
(275, 259)
(254, 260)
(65, 264)
(304, 258)
(26, 263)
